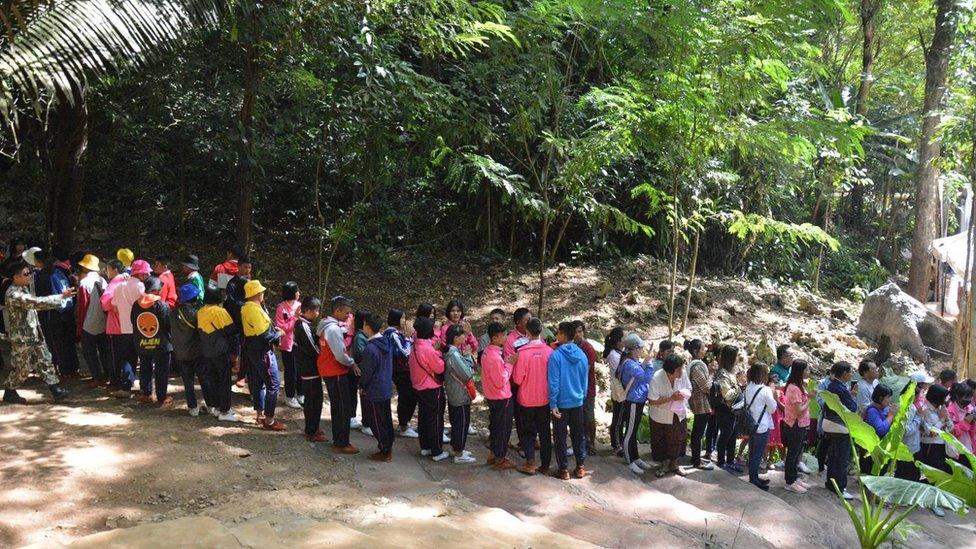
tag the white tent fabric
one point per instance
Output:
(952, 250)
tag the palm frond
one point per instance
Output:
(50, 49)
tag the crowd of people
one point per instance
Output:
(136, 319)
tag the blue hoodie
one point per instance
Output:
(377, 370)
(568, 371)
(641, 374)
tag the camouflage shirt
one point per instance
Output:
(21, 314)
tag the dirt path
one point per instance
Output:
(99, 463)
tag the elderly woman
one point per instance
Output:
(668, 399)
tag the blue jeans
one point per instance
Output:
(838, 460)
(264, 372)
(757, 448)
(154, 368)
(198, 368)
(123, 358)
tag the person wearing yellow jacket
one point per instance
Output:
(260, 335)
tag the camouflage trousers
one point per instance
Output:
(25, 359)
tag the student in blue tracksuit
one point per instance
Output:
(376, 380)
(635, 376)
(568, 372)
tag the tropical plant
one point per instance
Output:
(961, 480)
(874, 525)
(882, 450)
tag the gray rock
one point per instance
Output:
(908, 325)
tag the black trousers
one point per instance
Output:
(711, 433)
(460, 420)
(632, 414)
(406, 397)
(381, 422)
(292, 383)
(312, 409)
(616, 424)
(823, 450)
(535, 423)
(430, 420)
(340, 406)
(516, 412)
(793, 438)
(500, 414)
(98, 354)
(573, 420)
(353, 394)
(697, 432)
(217, 371)
(726, 436)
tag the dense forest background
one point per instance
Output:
(777, 139)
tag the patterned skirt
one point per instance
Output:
(668, 440)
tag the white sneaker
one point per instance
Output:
(354, 423)
(441, 456)
(636, 469)
(194, 412)
(367, 431)
(215, 412)
(796, 488)
(569, 451)
(446, 438)
(642, 464)
(292, 403)
(472, 430)
(229, 416)
(778, 465)
(465, 457)
(803, 468)
(409, 433)
(425, 452)
(301, 400)
(847, 495)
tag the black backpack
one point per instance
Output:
(745, 424)
(715, 398)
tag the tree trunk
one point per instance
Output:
(868, 10)
(674, 262)
(691, 283)
(559, 238)
(542, 263)
(67, 173)
(245, 160)
(929, 151)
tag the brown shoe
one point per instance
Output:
(381, 456)
(144, 399)
(345, 449)
(259, 419)
(273, 425)
(503, 464)
(579, 472)
(121, 393)
(527, 468)
(491, 460)
(562, 474)
(317, 437)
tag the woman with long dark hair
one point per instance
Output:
(724, 393)
(701, 383)
(796, 422)
(612, 348)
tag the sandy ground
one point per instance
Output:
(99, 463)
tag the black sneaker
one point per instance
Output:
(57, 392)
(10, 396)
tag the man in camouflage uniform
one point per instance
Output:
(28, 352)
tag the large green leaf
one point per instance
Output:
(861, 433)
(960, 482)
(907, 493)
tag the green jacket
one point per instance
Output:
(458, 369)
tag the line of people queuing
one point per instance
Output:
(138, 322)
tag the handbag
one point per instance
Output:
(745, 424)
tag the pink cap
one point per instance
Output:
(140, 267)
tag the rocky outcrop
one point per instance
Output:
(907, 323)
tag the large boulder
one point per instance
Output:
(908, 325)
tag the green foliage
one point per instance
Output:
(961, 480)
(882, 450)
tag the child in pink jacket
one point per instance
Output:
(963, 414)
(427, 377)
(531, 375)
(285, 316)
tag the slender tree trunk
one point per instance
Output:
(245, 162)
(674, 261)
(542, 262)
(869, 9)
(930, 150)
(559, 238)
(691, 283)
(67, 171)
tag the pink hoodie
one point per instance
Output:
(531, 374)
(123, 298)
(470, 342)
(425, 363)
(112, 318)
(513, 336)
(963, 430)
(496, 374)
(285, 316)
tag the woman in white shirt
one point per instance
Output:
(668, 399)
(759, 398)
(612, 347)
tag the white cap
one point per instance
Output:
(633, 341)
(921, 377)
(29, 255)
